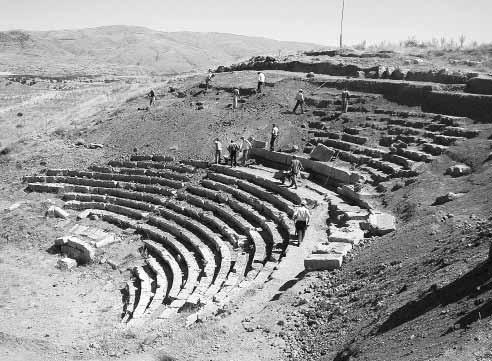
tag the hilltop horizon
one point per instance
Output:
(132, 50)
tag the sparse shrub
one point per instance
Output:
(411, 42)
(361, 46)
(462, 39)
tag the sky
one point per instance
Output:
(315, 21)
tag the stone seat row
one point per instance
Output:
(435, 125)
(106, 180)
(179, 168)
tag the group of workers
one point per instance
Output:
(300, 101)
(301, 215)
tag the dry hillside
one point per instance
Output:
(126, 50)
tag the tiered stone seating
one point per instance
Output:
(203, 243)
(407, 140)
(180, 168)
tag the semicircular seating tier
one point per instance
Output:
(206, 233)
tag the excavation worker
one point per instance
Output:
(301, 221)
(151, 96)
(295, 170)
(208, 79)
(218, 150)
(232, 149)
(245, 147)
(274, 136)
(299, 101)
(261, 82)
(235, 99)
(345, 100)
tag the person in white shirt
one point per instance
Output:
(299, 101)
(218, 150)
(235, 98)
(274, 136)
(345, 100)
(261, 82)
(301, 221)
(245, 147)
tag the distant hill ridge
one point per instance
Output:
(130, 50)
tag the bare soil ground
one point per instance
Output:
(398, 297)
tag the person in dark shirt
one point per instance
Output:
(295, 170)
(151, 95)
(233, 149)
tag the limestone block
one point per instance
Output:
(258, 144)
(458, 170)
(322, 153)
(55, 211)
(381, 223)
(323, 262)
(66, 263)
(333, 247)
(350, 235)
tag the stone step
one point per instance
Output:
(130, 301)
(175, 283)
(180, 168)
(144, 292)
(267, 184)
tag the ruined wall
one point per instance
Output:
(332, 68)
(478, 107)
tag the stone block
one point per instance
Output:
(322, 153)
(323, 262)
(458, 170)
(381, 223)
(258, 144)
(55, 211)
(66, 263)
(352, 235)
(333, 247)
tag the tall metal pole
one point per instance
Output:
(341, 25)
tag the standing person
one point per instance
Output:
(235, 99)
(274, 136)
(261, 82)
(245, 147)
(233, 148)
(345, 100)
(295, 170)
(218, 150)
(151, 95)
(208, 79)
(301, 221)
(299, 101)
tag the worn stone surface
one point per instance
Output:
(381, 223)
(351, 234)
(323, 262)
(55, 211)
(322, 153)
(333, 247)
